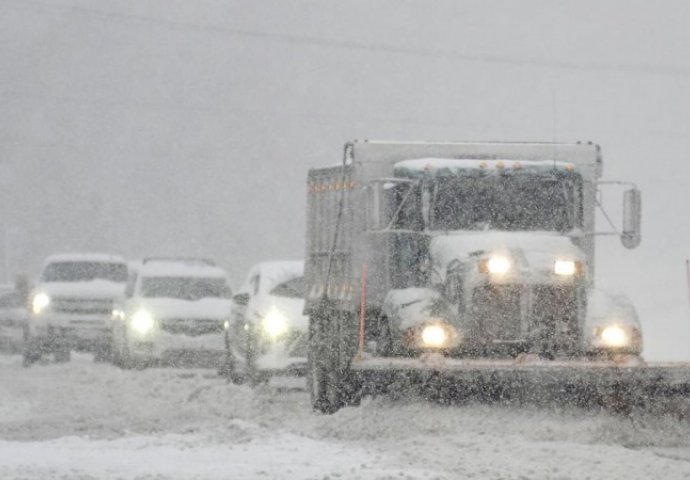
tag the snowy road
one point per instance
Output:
(92, 421)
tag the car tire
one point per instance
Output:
(124, 357)
(29, 357)
(62, 354)
(103, 354)
(30, 353)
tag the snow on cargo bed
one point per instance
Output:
(421, 167)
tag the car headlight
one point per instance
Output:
(614, 336)
(496, 265)
(142, 322)
(274, 324)
(565, 268)
(39, 302)
(118, 314)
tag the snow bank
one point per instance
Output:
(86, 420)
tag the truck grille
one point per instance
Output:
(554, 319)
(497, 313)
(544, 316)
(192, 327)
(83, 306)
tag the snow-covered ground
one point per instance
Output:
(85, 420)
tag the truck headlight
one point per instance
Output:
(614, 336)
(565, 268)
(496, 265)
(274, 324)
(142, 322)
(434, 336)
(39, 303)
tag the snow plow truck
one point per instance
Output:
(469, 266)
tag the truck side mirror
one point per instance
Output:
(632, 218)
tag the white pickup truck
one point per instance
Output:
(72, 304)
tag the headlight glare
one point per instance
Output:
(142, 322)
(434, 336)
(565, 268)
(39, 302)
(274, 324)
(498, 265)
(614, 336)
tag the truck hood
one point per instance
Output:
(96, 289)
(205, 308)
(534, 251)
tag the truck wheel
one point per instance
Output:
(331, 387)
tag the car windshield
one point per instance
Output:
(85, 272)
(293, 288)
(185, 288)
(511, 203)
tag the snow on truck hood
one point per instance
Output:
(540, 249)
(204, 308)
(100, 289)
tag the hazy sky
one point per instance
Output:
(187, 127)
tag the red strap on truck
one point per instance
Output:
(362, 308)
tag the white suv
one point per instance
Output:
(72, 304)
(174, 312)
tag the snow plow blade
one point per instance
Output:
(619, 384)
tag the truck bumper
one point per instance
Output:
(579, 379)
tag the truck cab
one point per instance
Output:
(460, 251)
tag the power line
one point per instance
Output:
(349, 45)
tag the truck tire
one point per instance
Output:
(331, 385)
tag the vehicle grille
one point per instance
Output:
(82, 306)
(497, 313)
(554, 318)
(192, 327)
(545, 317)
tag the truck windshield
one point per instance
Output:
(511, 202)
(85, 272)
(184, 288)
